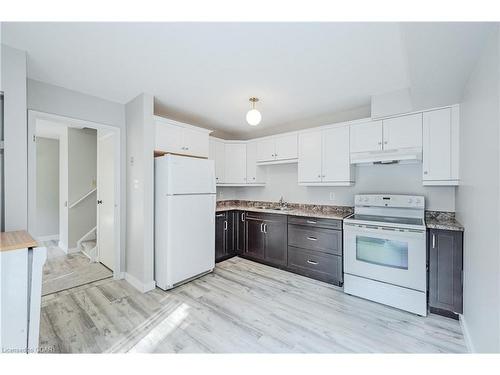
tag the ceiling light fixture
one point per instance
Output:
(253, 116)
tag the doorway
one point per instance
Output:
(73, 196)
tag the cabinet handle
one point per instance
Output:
(425, 172)
(225, 224)
(262, 227)
(319, 176)
(385, 142)
(312, 262)
(243, 217)
(311, 221)
(312, 238)
(220, 215)
(433, 241)
(379, 143)
(265, 228)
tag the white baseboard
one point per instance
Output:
(465, 331)
(139, 285)
(52, 237)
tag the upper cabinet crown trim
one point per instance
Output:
(168, 121)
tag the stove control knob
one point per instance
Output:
(410, 201)
(417, 201)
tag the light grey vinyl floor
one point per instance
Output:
(63, 271)
(242, 307)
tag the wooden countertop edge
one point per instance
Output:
(16, 240)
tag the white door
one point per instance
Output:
(106, 198)
(236, 163)
(437, 145)
(286, 147)
(403, 132)
(169, 138)
(266, 149)
(336, 162)
(309, 166)
(195, 143)
(366, 136)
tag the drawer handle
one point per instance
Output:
(312, 238)
(311, 221)
(312, 262)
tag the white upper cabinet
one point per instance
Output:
(310, 156)
(277, 149)
(402, 132)
(235, 163)
(218, 154)
(286, 147)
(390, 134)
(175, 137)
(324, 157)
(255, 174)
(440, 147)
(366, 136)
(168, 138)
(266, 149)
(336, 162)
(195, 142)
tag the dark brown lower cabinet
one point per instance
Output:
(445, 272)
(240, 231)
(266, 237)
(220, 235)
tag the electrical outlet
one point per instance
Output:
(332, 196)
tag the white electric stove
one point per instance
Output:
(385, 251)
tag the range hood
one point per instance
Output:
(404, 155)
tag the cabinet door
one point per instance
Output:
(236, 163)
(220, 152)
(438, 147)
(275, 231)
(231, 233)
(254, 237)
(240, 225)
(254, 172)
(366, 136)
(266, 149)
(336, 161)
(445, 270)
(286, 147)
(195, 142)
(403, 132)
(169, 138)
(220, 235)
(309, 165)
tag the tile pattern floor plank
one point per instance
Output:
(63, 271)
(241, 307)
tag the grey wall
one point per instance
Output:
(82, 177)
(478, 199)
(15, 134)
(395, 179)
(47, 187)
(57, 100)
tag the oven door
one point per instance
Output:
(386, 254)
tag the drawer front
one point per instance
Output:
(315, 222)
(316, 239)
(325, 267)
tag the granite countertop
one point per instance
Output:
(295, 209)
(442, 220)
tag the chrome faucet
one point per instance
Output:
(282, 202)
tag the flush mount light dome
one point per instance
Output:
(253, 116)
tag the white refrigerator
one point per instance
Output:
(184, 219)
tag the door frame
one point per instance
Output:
(33, 116)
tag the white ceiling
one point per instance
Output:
(205, 72)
